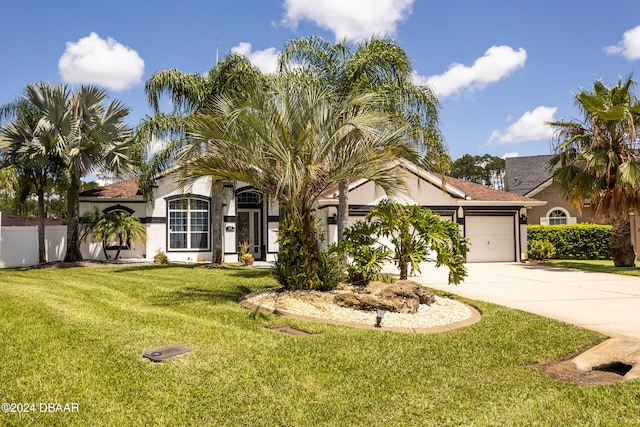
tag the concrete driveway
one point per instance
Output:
(607, 303)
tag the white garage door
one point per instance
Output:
(492, 238)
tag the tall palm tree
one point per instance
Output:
(89, 136)
(598, 159)
(34, 155)
(285, 140)
(382, 66)
(190, 94)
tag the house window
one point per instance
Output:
(188, 224)
(250, 197)
(557, 216)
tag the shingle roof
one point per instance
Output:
(122, 189)
(484, 193)
(458, 188)
(523, 174)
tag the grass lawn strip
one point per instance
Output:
(601, 266)
(77, 336)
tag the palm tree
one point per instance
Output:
(382, 66)
(190, 94)
(95, 225)
(88, 136)
(597, 159)
(128, 230)
(112, 228)
(415, 234)
(284, 139)
(34, 155)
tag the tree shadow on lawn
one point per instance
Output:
(154, 267)
(192, 294)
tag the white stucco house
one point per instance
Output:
(179, 219)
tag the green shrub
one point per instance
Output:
(331, 270)
(540, 250)
(298, 253)
(415, 234)
(575, 241)
(365, 258)
(160, 258)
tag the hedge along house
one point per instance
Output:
(179, 220)
(530, 176)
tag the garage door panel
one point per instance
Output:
(492, 238)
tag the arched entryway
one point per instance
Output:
(250, 211)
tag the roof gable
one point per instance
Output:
(458, 191)
(525, 174)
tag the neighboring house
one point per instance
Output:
(179, 219)
(531, 176)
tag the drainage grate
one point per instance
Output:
(164, 353)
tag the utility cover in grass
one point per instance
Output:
(164, 353)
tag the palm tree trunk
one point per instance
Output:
(216, 222)
(404, 270)
(104, 249)
(42, 250)
(73, 221)
(343, 208)
(298, 250)
(120, 243)
(621, 248)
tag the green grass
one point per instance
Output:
(77, 336)
(601, 266)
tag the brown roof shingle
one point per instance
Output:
(484, 193)
(122, 189)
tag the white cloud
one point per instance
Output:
(353, 20)
(629, 47)
(532, 126)
(156, 145)
(497, 63)
(93, 60)
(511, 154)
(266, 60)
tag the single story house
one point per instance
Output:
(179, 219)
(531, 176)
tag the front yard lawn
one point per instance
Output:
(602, 266)
(78, 335)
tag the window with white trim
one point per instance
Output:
(188, 224)
(557, 216)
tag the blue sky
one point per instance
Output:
(501, 68)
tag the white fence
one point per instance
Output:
(19, 245)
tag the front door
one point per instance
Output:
(249, 230)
